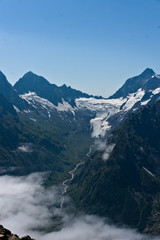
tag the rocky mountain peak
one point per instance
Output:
(148, 72)
(133, 84)
(30, 82)
(33, 77)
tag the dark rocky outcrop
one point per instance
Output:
(6, 234)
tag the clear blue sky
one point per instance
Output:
(91, 45)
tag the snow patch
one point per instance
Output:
(149, 172)
(27, 111)
(156, 91)
(65, 107)
(133, 98)
(17, 110)
(33, 119)
(33, 99)
(49, 115)
(157, 75)
(145, 102)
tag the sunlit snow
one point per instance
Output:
(149, 172)
(106, 108)
(156, 91)
(33, 99)
(17, 110)
(133, 98)
(145, 102)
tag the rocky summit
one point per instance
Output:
(6, 234)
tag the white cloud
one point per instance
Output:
(100, 145)
(25, 204)
(105, 148)
(5, 170)
(26, 207)
(25, 147)
(109, 148)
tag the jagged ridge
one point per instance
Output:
(34, 83)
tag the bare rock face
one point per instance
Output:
(5, 234)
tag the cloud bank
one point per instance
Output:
(26, 207)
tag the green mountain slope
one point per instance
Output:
(126, 187)
(27, 146)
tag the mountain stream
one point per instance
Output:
(72, 174)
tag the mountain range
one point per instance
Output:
(49, 128)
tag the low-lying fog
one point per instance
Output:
(26, 208)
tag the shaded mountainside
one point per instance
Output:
(126, 187)
(27, 146)
(10, 93)
(8, 124)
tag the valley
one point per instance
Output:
(95, 155)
